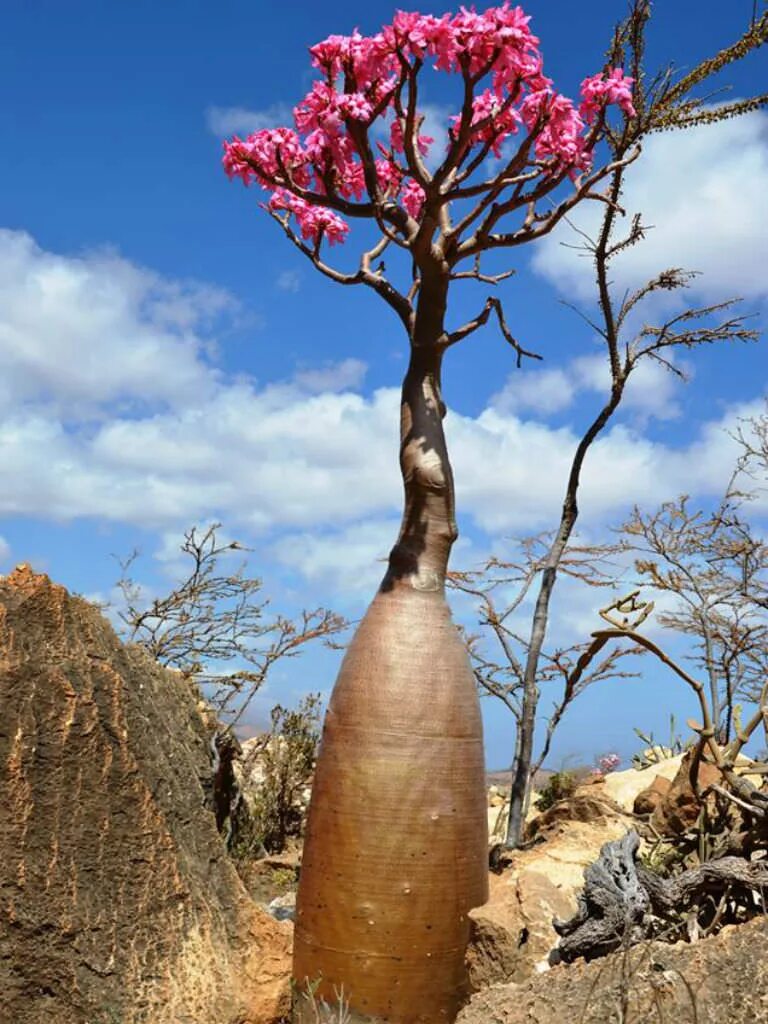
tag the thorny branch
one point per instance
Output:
(625, 349)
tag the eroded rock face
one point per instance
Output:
(721, 980)
(117, 899)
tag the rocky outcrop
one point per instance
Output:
(720, 980)
(679, 810)
(623, 787)
(512, 933)
(117, 899)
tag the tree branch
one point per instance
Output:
(492, 305)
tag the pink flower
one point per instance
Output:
(356, 106)
(423, 142)
(265, 155)
(608, 763)
(313, 220)
(494, 125)
(413, 198)
(598, 91)
(360, 75)
(389, 176)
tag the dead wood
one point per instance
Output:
(623, 902)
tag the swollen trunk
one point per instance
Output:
(396, 847)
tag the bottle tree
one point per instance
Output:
(396, 846)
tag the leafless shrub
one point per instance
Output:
(216, 627)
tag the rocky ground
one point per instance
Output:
(719, 980)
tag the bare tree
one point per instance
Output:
(753, 437)
(623, 619)
(661, 104)
(714, 568)
(499, 650)
(216, 627)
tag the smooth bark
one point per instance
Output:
(396, 848)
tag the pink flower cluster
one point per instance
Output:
(313, 220)
(600, 90)
(492, 120)
(608, 763)
(560, 137)
(319, 164)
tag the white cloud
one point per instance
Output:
(283, 458)
(97, 329)
(289, 281)
(436, 123)
(540, 391)
(703, 191)
(226, 121)
(651, 390)
(309, 457)
(5, 550)
(344, 376)
(349, 561)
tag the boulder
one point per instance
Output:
(119, 902)
(720, 980)
(649, 799)
(679, 810)
(624, 786)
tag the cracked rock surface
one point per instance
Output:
(117, 899)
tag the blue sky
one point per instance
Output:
(166, 358)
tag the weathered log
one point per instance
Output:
(612, 907)
(714, 878)
(623, 902)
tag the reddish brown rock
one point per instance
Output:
(720, 980)
(649, 799)
(680, 808)
(117, 899)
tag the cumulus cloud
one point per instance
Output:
(96, 329)
(281, 458)
(311, 457)
(349, 560)
(346, 375)
(702, 190)
(651, 390)
(225, 121)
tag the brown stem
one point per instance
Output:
(420, 556)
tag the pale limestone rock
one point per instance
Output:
(624, 786)
(513, 932)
